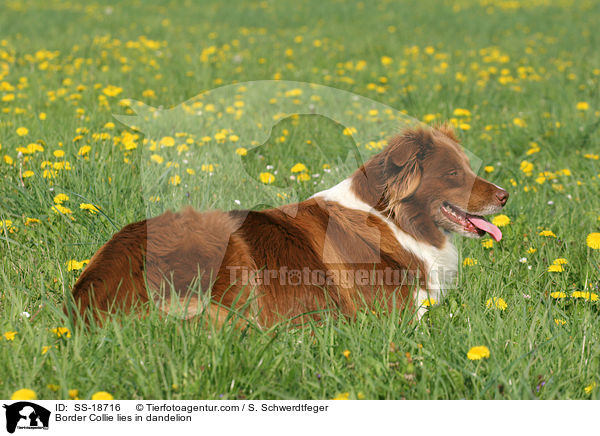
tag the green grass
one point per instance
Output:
(522, 73)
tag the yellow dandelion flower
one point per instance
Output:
(386, 60)
(428, 302)
(593, 241)
(46, 348)
(585, 295)
(73, 394)
(8, 224)
(547, 233)
(460, 112)
(24, 395)
(488, 243)
(175, 180)
(558, 294)
(497, 302)
(89, 207)
(488, 169)
(526, 167)
(22, 131)
(207, 168)
(479, 352)
(167, 141)
(58, 153)
(59, 209)
(560, 261)
(582, 106)
(74, 265)
(534, 148)
(241, 151)
(519, 122)
(266, 178)
(555, 268)
(296, 92)
(102, 396)
(342, 396)
(112, 91)
(589, 388)
(559, 321)
(30, 221)
(27, 174)
(531, 250)
(469, 261)
(53, 387)
(10, 335)
(303, 177)
(299, 167)
(234, 138)
(60, 198)
(31, 148)
(157, 158)
(84, 150)
(346, 354)
(501, 220)
(61, 331)
(148, 93)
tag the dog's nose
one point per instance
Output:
(502, 196)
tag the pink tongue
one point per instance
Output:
(486, 226)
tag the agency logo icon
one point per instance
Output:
(26, 415)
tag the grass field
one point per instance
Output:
(518, 79)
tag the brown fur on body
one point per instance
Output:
(179, 251)
(171, 260)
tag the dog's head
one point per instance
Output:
(427, 186)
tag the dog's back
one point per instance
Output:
(147, 260)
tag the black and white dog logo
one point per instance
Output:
(26, 415)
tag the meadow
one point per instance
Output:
(518, 80)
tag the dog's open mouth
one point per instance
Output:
(471, 223)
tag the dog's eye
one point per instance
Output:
(453, 173)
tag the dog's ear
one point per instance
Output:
(403, 163)
(447, 130)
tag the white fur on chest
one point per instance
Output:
(441, 264)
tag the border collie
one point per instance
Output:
(380, 237)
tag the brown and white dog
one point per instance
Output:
(380, 237)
